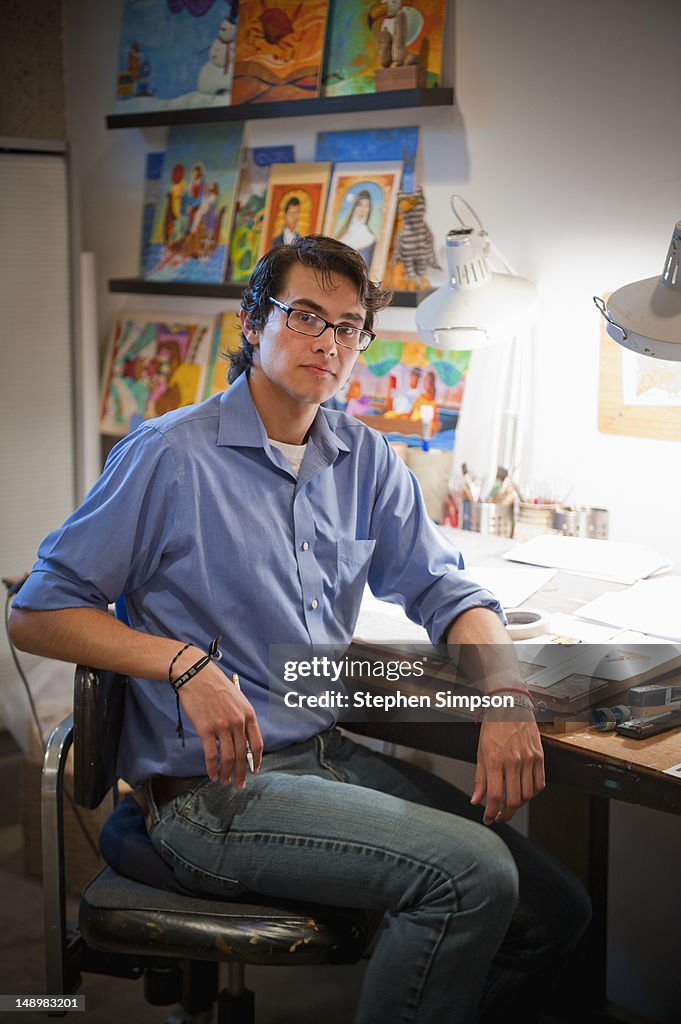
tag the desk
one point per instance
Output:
(585, 770)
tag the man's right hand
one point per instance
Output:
(224, 720)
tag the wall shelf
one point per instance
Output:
(391, 100)
(226, 290)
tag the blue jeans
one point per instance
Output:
(477, 920)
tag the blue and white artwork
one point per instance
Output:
(372, 144)
(175, 54)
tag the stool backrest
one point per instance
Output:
(98, 700)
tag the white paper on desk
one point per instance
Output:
(651, 606)
(385, 622)
(604, 559)
(510, 585)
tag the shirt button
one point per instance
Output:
(314, 603)
(304, 545)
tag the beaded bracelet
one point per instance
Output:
(213, 655)
(523, 701)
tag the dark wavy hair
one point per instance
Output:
(319, 252)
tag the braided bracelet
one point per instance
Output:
(213, 655)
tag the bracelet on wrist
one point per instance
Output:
(522, 698)
(213, 655)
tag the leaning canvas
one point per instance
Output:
(193, 217)
(296, 197)
(175, 54)
(154, 364)
(361, 144)
(361, 209)
(249, 211)
(363, 37)
(279, 50)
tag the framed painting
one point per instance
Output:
(361, 209)
(153, 365)
(296, 195)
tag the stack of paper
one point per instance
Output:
(604, 559)
(652, 607)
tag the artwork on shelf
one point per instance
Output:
(150, 201)
(226, 338)
(412, 250)
(296, 195)
(365, 144)
(361, 209)
(175, 54)
(193, 218)
(279, 50)
(392, 37)
(395, 377)
(153, 365)
(249, 210)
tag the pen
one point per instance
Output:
(249, 752)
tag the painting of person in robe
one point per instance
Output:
(289, 231)
(356, 227)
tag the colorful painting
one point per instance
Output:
(175, 54)
(398, 376)
(365, 36)
(296, 195)
(193, 218)
(372, 144)
(153, 365)
(250, 208)
(279, 50)
(226, 338)
(361, 209)
(150, 200)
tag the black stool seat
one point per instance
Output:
(124, 916)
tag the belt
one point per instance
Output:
(167, 787)
(163, 788)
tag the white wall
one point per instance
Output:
(565, 138)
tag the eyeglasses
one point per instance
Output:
(299, 320)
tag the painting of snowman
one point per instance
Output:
(215, 77)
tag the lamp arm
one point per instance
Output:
(600, 306)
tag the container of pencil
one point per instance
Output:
(581, 522)
(487, 517)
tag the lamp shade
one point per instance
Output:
(646, 316)
(476, 307)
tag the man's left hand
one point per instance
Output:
(510, 765)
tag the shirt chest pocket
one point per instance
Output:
(353, 559)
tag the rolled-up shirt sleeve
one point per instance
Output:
(413, 564)
(115, 540)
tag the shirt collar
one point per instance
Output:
(240, 425)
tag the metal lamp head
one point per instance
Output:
(476, 307)
(646, 316)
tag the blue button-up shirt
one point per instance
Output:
(199, 521)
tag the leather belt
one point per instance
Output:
(167, 787)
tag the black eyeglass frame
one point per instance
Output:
(327, 323)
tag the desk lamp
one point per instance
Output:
(476, 307)
(646, 316)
